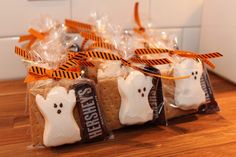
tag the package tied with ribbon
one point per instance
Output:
(186, 88)
(64, 107)
(131, 92)
(190, 94)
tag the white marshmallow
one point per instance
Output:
(110, 69)
(57, 110)
(188, 92)
(134, 90)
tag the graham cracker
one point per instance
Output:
(37, 122)
(168, 93)
(110, 102)
(92, 71)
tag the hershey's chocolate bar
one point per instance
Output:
(155, 98)
(211, 105)
(89, 111)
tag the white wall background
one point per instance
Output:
(182, 17)
(218, 33)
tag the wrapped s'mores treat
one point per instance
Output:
(64, 112)
(185, 82)
(186, 85)
(130, 97)
(64, 107)
(192, 94)
(129, 94)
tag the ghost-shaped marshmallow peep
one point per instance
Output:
(188, 92)
(57, 110)
(134, 90)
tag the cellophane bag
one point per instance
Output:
(128, 96)
(182, 96)
(188, 95)
(64, 107)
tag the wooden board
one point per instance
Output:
(193, 135)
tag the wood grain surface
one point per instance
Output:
(193, 135)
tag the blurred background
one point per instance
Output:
(200, 25)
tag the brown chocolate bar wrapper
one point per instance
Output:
(91, 115)
(155, 98)
(211, 106)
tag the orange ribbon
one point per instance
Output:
(25, 54)
(84, 43)
(104, 45)
(151, 62)
(91, 36)
(36, 34)
(109, 56)
(78, 26)
(140, 29)
(32, 37)
(38, 73)
(188, 54)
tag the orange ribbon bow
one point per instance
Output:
(32, 37)
(76, 26)
(140, 29)
(39, 73)
(203, 57)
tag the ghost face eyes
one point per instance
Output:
(195, 73)
(58, 107)
(142, 91)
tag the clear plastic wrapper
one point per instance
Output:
(52, 50)
(87, 79)
(187, 95)
(128, 96)
(64, 107)
(64, 112)
(181, 96)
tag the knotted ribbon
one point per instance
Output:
(32, 37)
